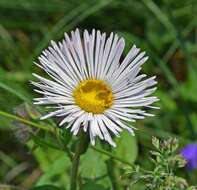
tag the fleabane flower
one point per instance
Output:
(90, 88)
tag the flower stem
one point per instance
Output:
(17, 118)
(73, 183)
(80, 149)
(112, 156)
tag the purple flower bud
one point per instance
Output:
(189, 152)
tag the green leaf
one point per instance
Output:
(91, 185)
(189, 88)
(46, 187)
(166, 101)
(156, 142)
(65, 136)
(126, 147)
(39, 141)
(13, 88)
(92, 164)
(56, 167)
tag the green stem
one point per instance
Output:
(80, 149)
(74, 173)
(14, 117)
(112, 156)
(113, 174)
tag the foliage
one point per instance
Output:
(46, 187)
(166, 161)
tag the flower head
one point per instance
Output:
(91, 88)
(189, 152)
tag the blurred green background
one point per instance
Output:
(165, 29)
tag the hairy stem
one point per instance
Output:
(73, 183)
(80, 149)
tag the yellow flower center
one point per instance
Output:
(93, 96)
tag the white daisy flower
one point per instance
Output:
(91, 88)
